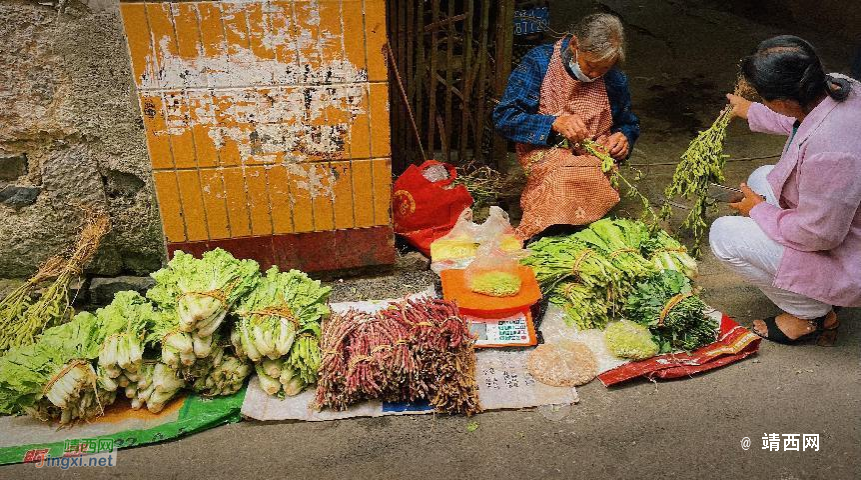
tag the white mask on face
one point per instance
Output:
(574, 65)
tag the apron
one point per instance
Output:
(565, 187)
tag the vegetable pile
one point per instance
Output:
(592, 272)
(416, 349)
(676, 317)
(278, 329)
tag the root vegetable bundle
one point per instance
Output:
(417, 349)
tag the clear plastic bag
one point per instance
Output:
(497, 229)
(494, 272)
(458, 247)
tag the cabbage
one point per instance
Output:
(628, 339)
(54, 377)
(279, 328)
(202, 291)
(122, 352)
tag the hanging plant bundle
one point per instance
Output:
(701, 164)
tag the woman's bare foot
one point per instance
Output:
(792, 326)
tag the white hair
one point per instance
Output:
(602, 36)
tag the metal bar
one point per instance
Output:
(449, 80)
(468, 79)
(432, 83)
(482, 79)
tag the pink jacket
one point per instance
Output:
(818, 182)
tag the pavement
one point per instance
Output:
(690, 428)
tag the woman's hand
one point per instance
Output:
(616, 145)
(740, 105)
(571, 127)
(750, 200)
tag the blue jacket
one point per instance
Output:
(517, 119)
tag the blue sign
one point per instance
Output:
(535, 20)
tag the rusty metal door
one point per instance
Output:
(267, 126)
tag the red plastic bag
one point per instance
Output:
(425, 205)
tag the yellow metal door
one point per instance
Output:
(267, 127)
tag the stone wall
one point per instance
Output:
(71, 135)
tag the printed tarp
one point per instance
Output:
(124, 426)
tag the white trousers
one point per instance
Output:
(744, 248)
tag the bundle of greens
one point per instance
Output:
(158, 383)
(701, 164)
(221, 373)
(278, 328)
(668, 254)
(580, 279)
(13, 305)
(585, 307)
(607, 236)
(203, 290)
(676, 317)
(121, 353)
(53, 378)
(177, 347)
(627, 339)
(53, 307)
(555, 259)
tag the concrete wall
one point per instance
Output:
(71, 134)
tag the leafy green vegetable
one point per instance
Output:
(279, 325)
(668, 254)
(53, 377)
(665, 303)
(203, 290)
(122, 352)
(627, 339)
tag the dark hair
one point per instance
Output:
(787, 68)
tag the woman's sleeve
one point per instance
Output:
(516, 117)
(624, 119)
(829, 195)
(764, 120)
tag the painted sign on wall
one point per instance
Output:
(267, 126)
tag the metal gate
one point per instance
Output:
(453, 58)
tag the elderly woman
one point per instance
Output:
(799, 234)
(569, 91)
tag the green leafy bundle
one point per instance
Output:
(668, 254)
(121, 354)
(676, 317)
(585, 307)
(701, 164)
(278, 328)
(607, 236)
(54, 377)
(202, 291)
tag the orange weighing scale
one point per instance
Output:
(497, 321)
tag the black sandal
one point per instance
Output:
(825, 336)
